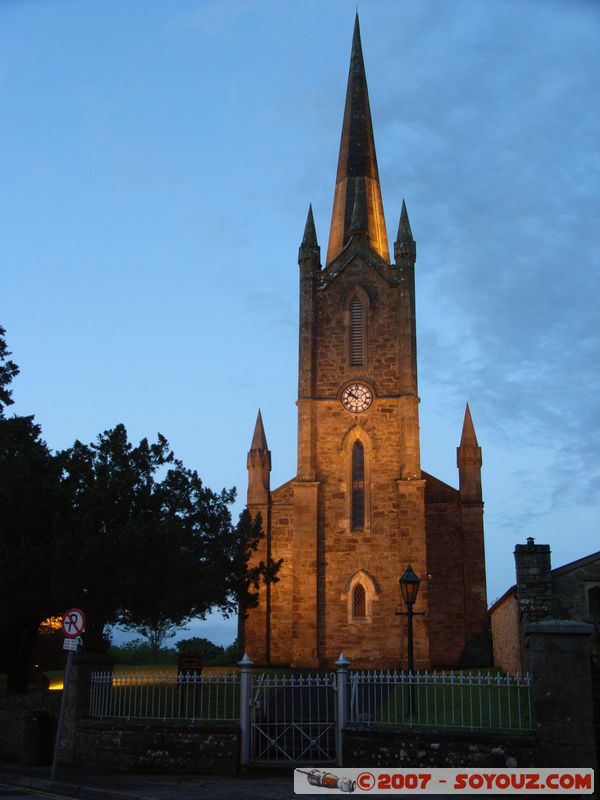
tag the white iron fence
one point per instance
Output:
(443, 700)
(164, 695)
(297, 718)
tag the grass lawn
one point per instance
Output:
(489, 703)
(158, 693)
(455, 702)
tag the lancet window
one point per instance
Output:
(359, 601)
(358, 485)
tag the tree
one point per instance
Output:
(8, 371)
(138, 653)
(210, 652)
(127, 533)
(151, 545)
(28, 482)
(246, 573)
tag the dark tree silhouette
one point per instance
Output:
(125, 532)
(28, 491)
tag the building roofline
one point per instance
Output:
(580, 562)
(502, 598)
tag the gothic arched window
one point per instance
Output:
(359, 601)
(358, 485)
(361, 592)
(357, 333)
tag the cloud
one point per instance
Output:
(498, 142)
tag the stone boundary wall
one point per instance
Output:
(420, 748)
(157, 746)
(15, 711)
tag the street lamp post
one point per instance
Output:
(409, 586)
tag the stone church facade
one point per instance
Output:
(360, 508)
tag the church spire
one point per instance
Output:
(468, 437)
(259, 439)
(309, 254)
(259, 467)
(310, 234)
(404, 231)
(357, 181)
(469, 461)
(404, 246)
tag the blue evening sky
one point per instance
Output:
(157, 160)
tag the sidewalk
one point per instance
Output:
(128, 786)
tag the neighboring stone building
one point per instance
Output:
(360, 508)
(571, 592)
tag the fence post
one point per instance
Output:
(245, 666)
(77, 700)
(342, 665)
(559, 658)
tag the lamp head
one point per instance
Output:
(409, 585)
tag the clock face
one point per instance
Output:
(357, 397)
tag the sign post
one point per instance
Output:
(73, 625)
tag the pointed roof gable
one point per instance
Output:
(357, 181)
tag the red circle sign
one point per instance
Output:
(73, 623)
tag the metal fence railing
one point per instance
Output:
(293, 718)
(445, 700)
(283, 708)
(165, 695)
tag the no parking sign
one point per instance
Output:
(73, 623)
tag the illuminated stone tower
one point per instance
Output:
(360, 509)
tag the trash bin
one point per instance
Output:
(38, 739)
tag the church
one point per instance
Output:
(360, 509)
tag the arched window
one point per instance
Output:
(359, 601)
(360, 594)
(358, 485)
(357, 337)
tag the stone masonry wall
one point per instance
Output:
(282, 539)
(15, 711)
(121, 745)
(383, 364)
(570, 588)
(445, 573)
(506, 635)
(394, 530)
(418, 748)
(534, 581)
(558, 657)
(311, 616)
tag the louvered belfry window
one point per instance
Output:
(356, 333)
(358, 486)
(359, 601)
